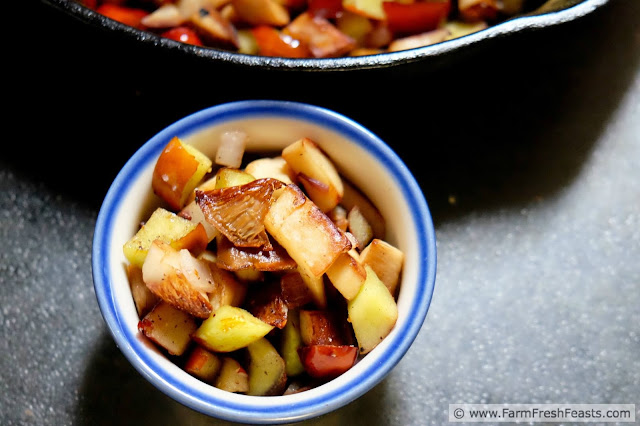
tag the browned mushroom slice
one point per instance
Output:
(233, 258)
(238, 211)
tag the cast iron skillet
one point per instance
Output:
(552, 13)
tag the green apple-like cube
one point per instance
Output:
(267, 370)
(291, 341)
(373, 312)
(230, 328)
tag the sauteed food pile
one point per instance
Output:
(261, 275)
(310, 28)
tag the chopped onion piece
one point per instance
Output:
(231, 149)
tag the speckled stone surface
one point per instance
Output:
(528, 154)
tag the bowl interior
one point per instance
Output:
(271, 125)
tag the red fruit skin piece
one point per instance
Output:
(327, 361)
(417, 17)
(272, 42)
(183, 34)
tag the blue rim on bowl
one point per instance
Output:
(242, 408)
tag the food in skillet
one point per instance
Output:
(310, 28)
(261, 275)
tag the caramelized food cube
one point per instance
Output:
(168, 327)
(318, 327)
(315, 170)
(320, 35)
(347, 275)
(386, 261)
(295, 291)
(308, 235)
(266, 303)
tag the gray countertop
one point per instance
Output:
(529, 157)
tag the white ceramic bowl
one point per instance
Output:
(362, 157)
